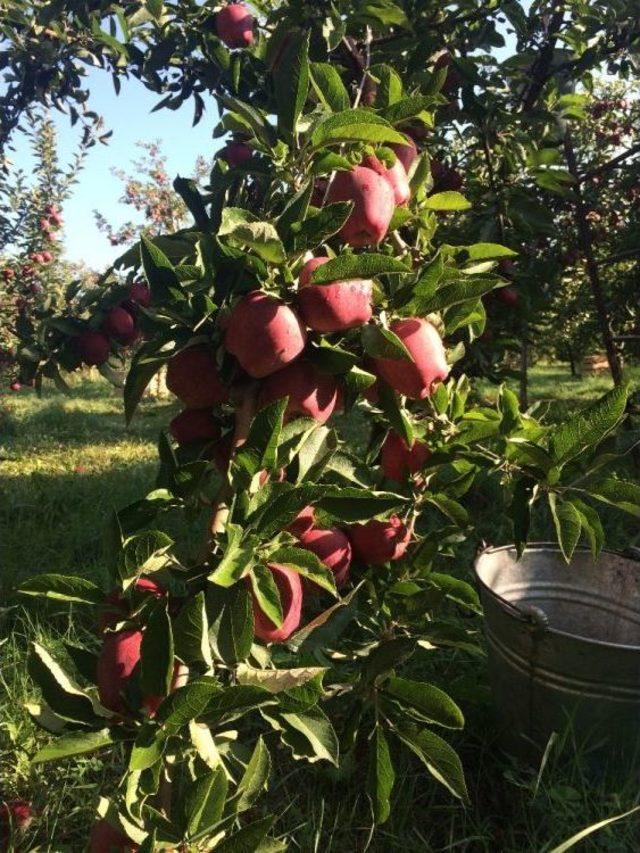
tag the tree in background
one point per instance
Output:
(149, 190)
(33, 276)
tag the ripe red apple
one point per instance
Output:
(15, 386)
(398, 461)
(379, 542)
(311, 394)
(264, 334)
(114, 607)
(236, 154)
(118, 658)
(192, 375)
(106, 838)
(303, 522)
(333, 307)
(444, 177)
(395, 176)
(56, 218)
(415, 379)
(15, 817)
(93, 347)
(234, 24)
(290, 589)
(374, 205)
(453, 80)
(8, 274)
(333, 547)
(406, 153)
(120, 325)
(140, 293)
(47, 257)
(44, 224)
(194, 425)
(509, 296)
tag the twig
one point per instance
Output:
(611, 164)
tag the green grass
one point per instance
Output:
(66, 463)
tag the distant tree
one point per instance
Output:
(149, 191)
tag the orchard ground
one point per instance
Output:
(66, 463)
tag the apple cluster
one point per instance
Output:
(118, 327)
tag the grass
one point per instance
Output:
(66, 463)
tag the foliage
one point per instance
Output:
(206, 710)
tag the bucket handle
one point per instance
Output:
(534, 616)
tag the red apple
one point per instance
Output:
(509, 296)
(444, 177)
(236, 154)
(234, 24)
(264, 334)
(406, 153)
(453, 80)
(192, 375)
(333, 547)
(395, 176)
(311, 394)
(47, 257)
(398, 461)
(15, 817)
(290, 589)
(194, 425)
(8, 274)
(106, 838)
(114, 608)
(118, 658)
(15, 386)
(333, 307)
(93, 347)
(140, 294)
(120, 325)
(303, 522)
(415, 379)
(379, 542)
(374, 205)
(44, 224)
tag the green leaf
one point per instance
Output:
(456, 590)
(253, 117)
(78, 743)
(259, 451)
(291, 83)
(187, 703)
(351, 504)
(63, 588)
(294, 212)
(204, 801)
(447, 201)
(255, 777)
(187, 189)
(238, 558)
(157, 653)
(145, 552)
(305, 563)
(315, 229)
(386, 656)
(589, 830)
(310, 735)
(591, 525)
(589, 427)
(365, 266)
(144, 366)
(322, 632)
(488, 251)
(191, 633)
(248, 839)
(457, 293)
(158, 269)
(266, 593)
(231, 620)
(619, 493)
(379, 342)
(358, 125)
(59, 691)
(409, 108)
(568, 525)
(147, 749)
(380, 776)
(247, 229)
(438, 757)
(329, 87)
(432, 703)
(389, 85)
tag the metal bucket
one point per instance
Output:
(564, 646)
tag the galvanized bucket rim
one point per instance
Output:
(509, 606)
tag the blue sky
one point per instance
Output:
(129, 116)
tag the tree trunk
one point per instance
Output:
(586, 244)
(524, 370)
